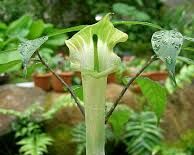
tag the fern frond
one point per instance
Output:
(35, 144)
(142, 133)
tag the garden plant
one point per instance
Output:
(92, 53)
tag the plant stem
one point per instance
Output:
(150, 61)
(64, 83)
(94, 99)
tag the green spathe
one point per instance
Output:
(81, 48)
(91, 52)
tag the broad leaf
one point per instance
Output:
(28, 48)
(9, 55)
(9, 60)
(118, 119)
(155, 94)
(20, 27)
(36, 29)
(9, 65)
(167, 45)
(86, 53)
(58, 40)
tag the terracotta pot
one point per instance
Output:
(57, 85)
(111, 78)
(156, 76)
(42, 81)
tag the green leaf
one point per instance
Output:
(137, 23)
(155, 94)
(130, 11)
(167, 45)
(9, 55)
(118, 119)
(58, 40)
(20, 27)
(36, 144)
(123, 9)
(3, 26)
(142, 134)
(186, 60)
(36, 29)
(66, 30)
(81, 48)
(78, 90)
(28, 48)
(9, 60)
(9, 65)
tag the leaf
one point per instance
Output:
(137, 23)
(142, 134)
(167, 45)
(155, 94)
(78, 90)
(118, 119)
(36, 29)
(186, 60)
(130, 11)
(123, 9)
(82, 51)
(36, 144)
(9, 65)
(9, 55)
(28, 48)
(20, 27)
(66, 30)
(9, 60)
(58, 40)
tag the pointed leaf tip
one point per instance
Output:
(29, 47)
(167, 45)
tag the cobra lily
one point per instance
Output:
(91, 52)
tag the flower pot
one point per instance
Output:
(42, 81)
(156, 76)
(57, 85)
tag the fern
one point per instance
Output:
(35, 144)
(79, 137)
(61, 102)
(142, 133)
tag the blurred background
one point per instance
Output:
(30, 19)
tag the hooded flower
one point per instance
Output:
(82, 48)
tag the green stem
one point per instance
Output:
(94, 99)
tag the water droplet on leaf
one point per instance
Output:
(168, 60)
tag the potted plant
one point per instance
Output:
(62, 68)
(155, 72)
(42, 78)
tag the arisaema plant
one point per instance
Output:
(91, 53)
